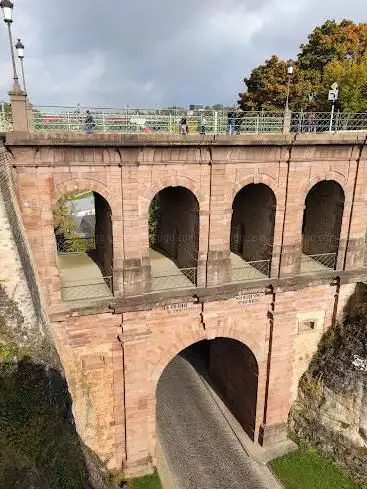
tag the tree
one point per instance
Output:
(334, 52)
(267, 87)
(352, 80)
(333, 41)
(66, 228)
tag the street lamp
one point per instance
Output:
(290, 67)
(20, 50)
(7, 8)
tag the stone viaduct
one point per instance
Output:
(291, 209)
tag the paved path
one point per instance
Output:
(200, 447)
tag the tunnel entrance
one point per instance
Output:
(174, 238)
(84, 242)
(252, 232)
(224, 366)
(322, 222)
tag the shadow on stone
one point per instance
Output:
(39, 445)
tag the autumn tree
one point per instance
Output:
(267, 87)
(335, 52)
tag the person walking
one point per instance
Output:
(203, 125)
(89, 123)
(183, 126)
(231, 122)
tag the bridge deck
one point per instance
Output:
(166, 274)
(81, 278)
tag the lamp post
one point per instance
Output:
(7, 8)
(289, 73)
(20, 50)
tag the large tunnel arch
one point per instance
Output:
(84, 243)
(252, 228)
(230, 368)
(174, 234)
(322, 222)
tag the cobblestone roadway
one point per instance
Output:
(200, 447)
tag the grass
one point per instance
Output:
(146, 482)
(306, 469)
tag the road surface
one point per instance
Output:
(200, 447)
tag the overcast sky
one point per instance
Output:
(146, 53)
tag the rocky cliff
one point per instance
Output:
(331, 410)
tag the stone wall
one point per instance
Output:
(178, 226)
(104, 235)
(234, 370)
(18, 276)
(253, 221)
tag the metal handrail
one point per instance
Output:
(132, 121)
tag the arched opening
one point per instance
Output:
(322, 222)
(174, 238)
(84, 241)
(252, 232)
(206, 403)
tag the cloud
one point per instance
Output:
(164, 52)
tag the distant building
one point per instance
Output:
(196, 107)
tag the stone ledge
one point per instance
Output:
(60, 312)
(156, 140)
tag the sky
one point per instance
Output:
(153, 53)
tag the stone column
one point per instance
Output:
(19, 111)
(139, 399)
(219, 258)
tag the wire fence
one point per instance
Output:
(91, 289)
(251, 270)
(318, 263)
(183, 279)
(175, 121)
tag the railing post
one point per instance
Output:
(216, 122)
(103, 122)
(337, 121)
(332, 117)
(69, 122)
(257, 126)
(287, 122)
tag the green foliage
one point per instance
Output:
(306, 469)
(153, 222)
(335, 52)
(146, 482)
(66, 227)
(38, 443)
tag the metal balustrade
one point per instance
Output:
(183, 279)
(251, 270)
(135, 121)
(318, 263)
(83, 289)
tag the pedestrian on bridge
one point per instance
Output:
(89, 123)
(231, 122)
(183, 126)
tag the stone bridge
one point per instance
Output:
(255, 239)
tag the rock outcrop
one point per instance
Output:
(331, 410)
